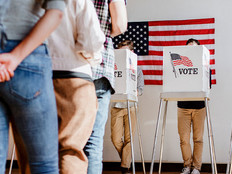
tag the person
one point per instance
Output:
(72, 78)
(113, 20)
(191, 113)
(27, 98)
(119, 119)
(74, 45)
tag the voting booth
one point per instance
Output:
(125, 73)
(185, 78)
(186, 69)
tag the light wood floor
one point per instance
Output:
(15, 171)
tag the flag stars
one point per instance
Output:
(138, 34)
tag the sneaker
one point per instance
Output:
(195, 171)
(185, 170)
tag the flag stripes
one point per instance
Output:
(176, 33)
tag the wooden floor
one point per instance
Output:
(15, 171)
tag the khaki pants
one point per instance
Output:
(120, 129)
(196, 118)
(77, 107)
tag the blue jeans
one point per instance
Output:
(94, 147)
(28, 101)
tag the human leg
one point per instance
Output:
(126, 152)
(30, 97)
(184, 130)
(117, 128)
(77, 107)
(198, 132)
(94, 147)
(21, 153)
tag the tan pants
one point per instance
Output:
(77, 107)
(196, 118)
(120, 129)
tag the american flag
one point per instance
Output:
(150, 37)
(178, 60)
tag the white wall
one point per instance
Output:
(220, 103)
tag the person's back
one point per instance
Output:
(113, 20)
(75, 46)
(27, 99)
(77, 42)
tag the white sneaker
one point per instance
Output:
(185, 170)
(195, 171)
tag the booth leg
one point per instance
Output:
(162, 136)
(228, 170)
(131, 137)
(156, 134)
(211, 142)
(12, 159)
(139, 136)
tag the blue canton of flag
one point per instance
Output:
(138, 33)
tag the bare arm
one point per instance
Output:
(43, 28)
(119, 17)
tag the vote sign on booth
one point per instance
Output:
(186, 69)
(125, 72)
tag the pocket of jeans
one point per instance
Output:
(26, 83)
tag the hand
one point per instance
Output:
(8, 63)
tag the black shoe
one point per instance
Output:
(125, 170)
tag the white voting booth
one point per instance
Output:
(186, 69)
(185, 78)
(125, 73)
